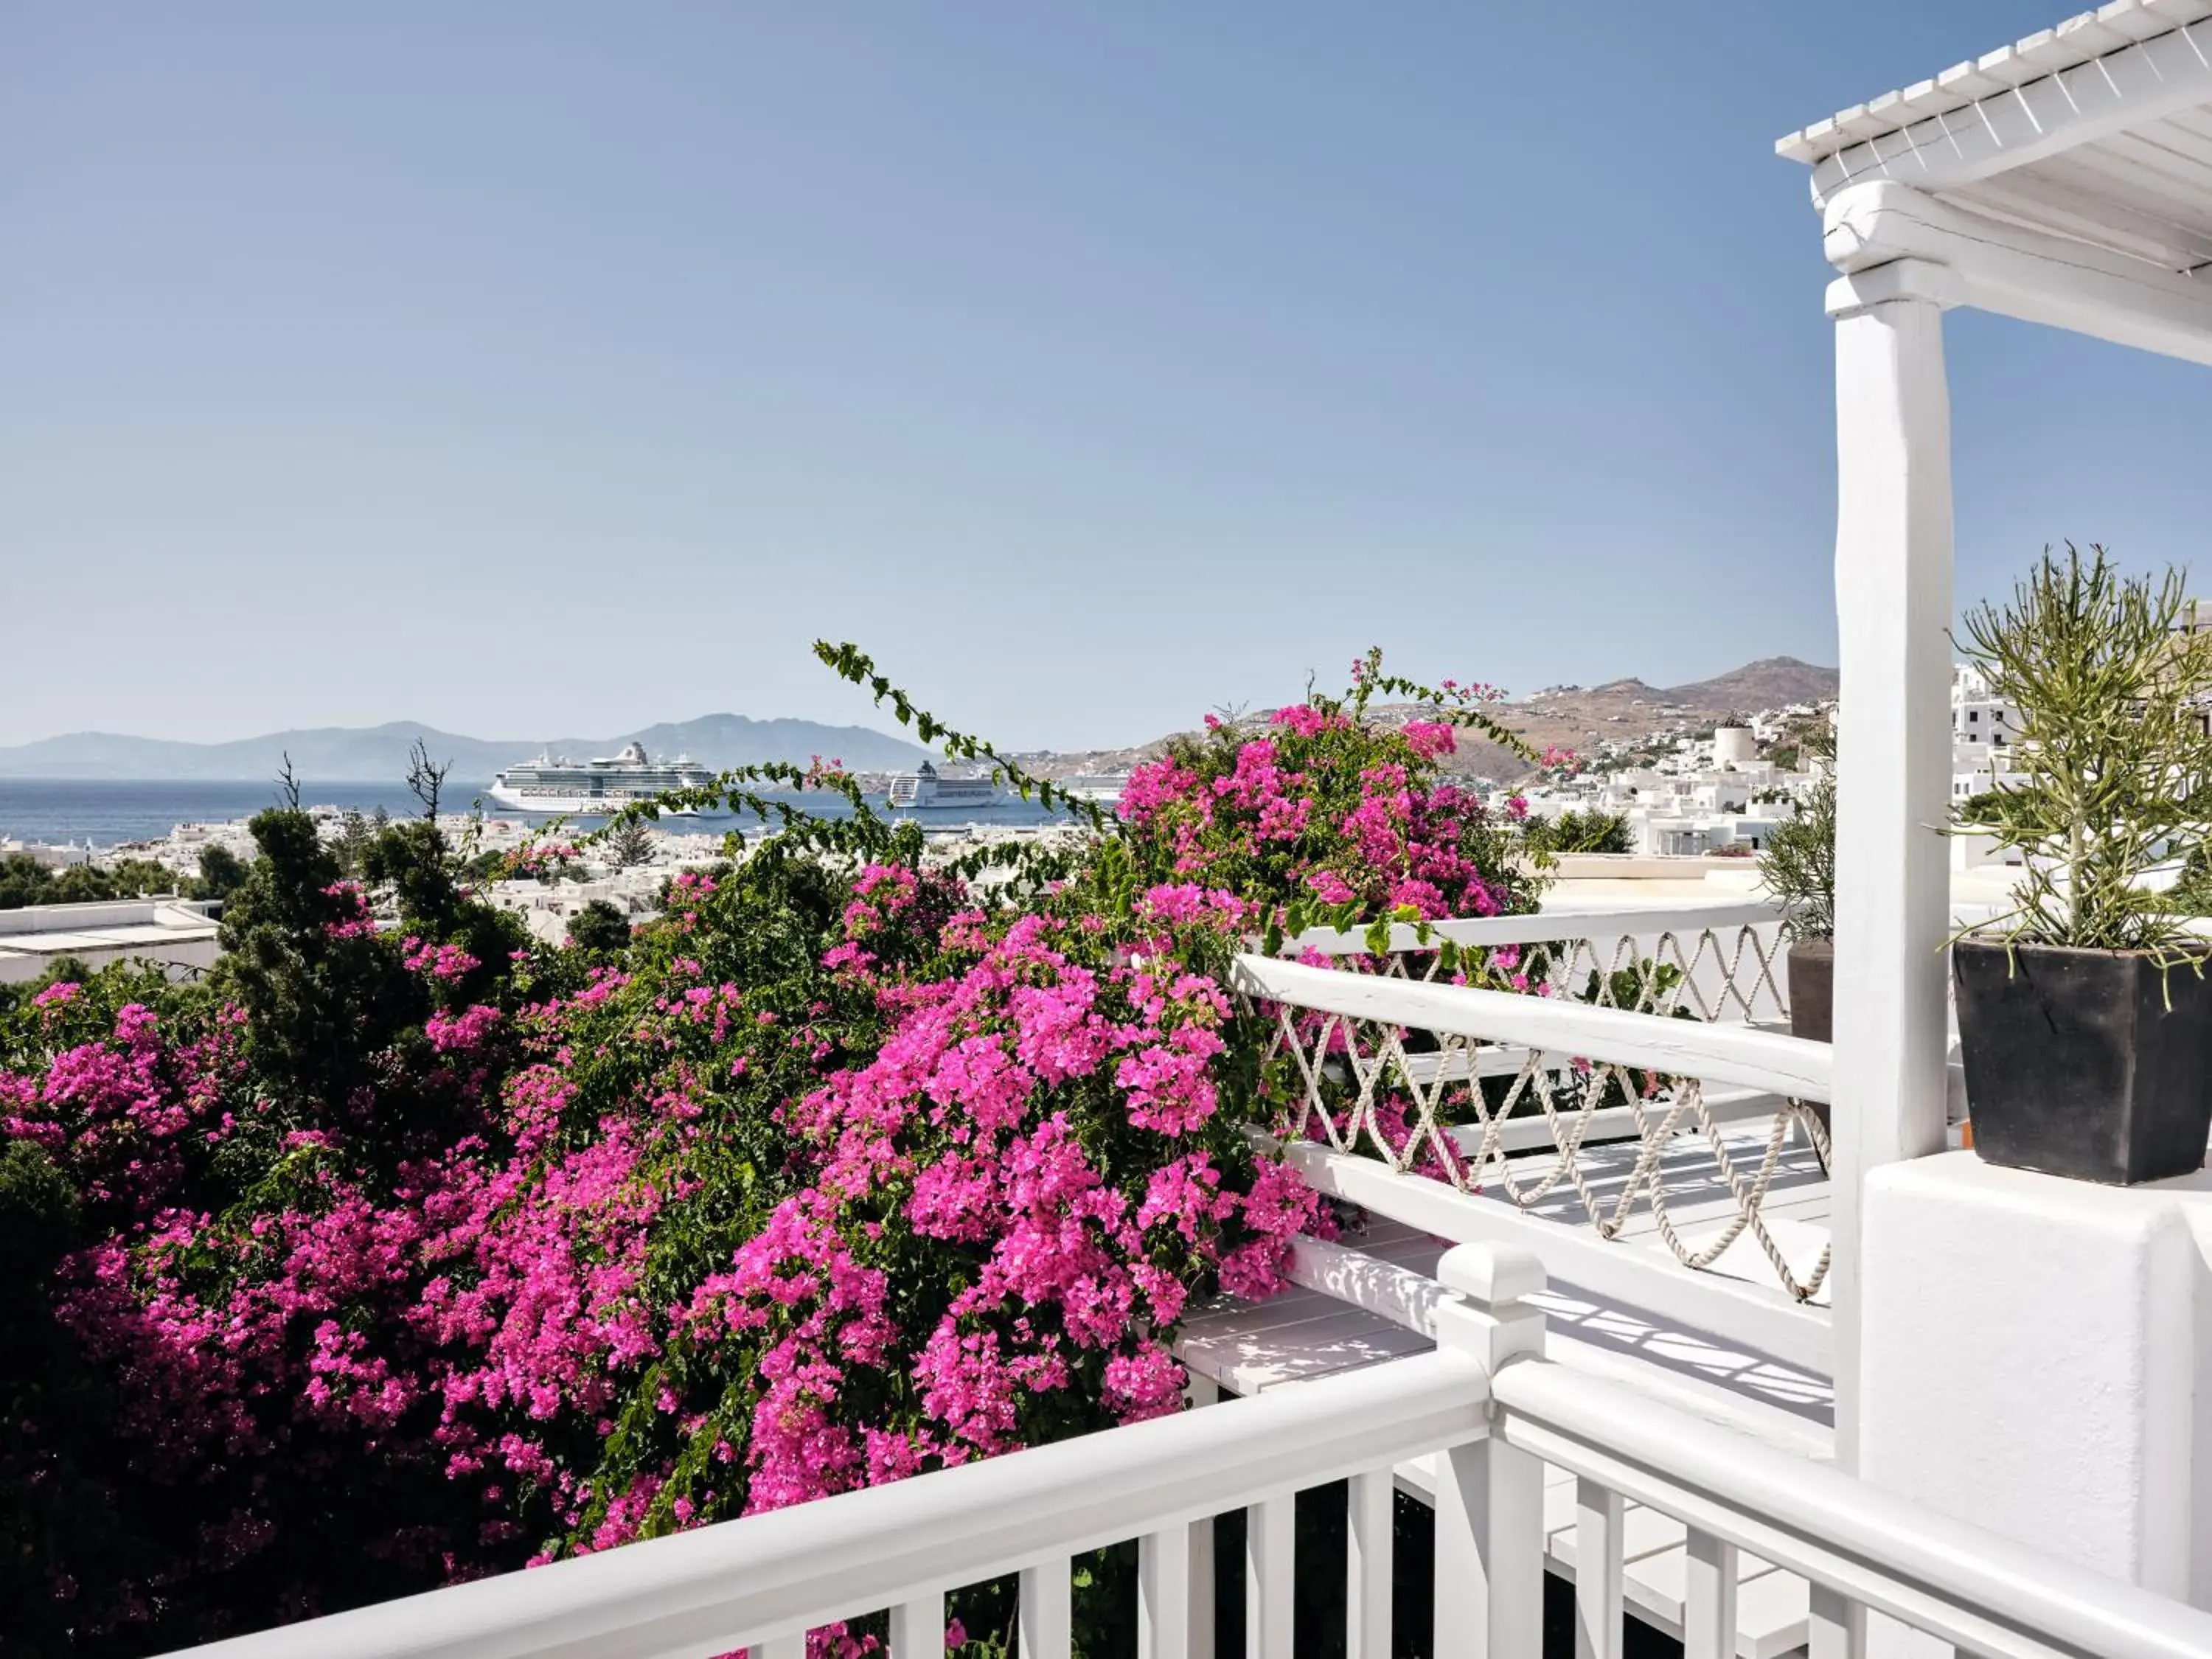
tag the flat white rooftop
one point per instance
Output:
(177, 934)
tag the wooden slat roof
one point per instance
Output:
(2099, 131)
(2078, 40)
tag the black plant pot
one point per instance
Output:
(1812, 965)
(2094, 1064)
(1813, 989)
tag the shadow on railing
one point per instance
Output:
(1487, 1410)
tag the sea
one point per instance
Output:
(106, 812)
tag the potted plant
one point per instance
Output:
(1799, 874)
(2085, 1016)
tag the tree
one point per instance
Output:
(300, 953)
(25, 881)
(136, 878)
(222, 873)
(600, 927)
(1580, 831)
(354, 834)
(1799, 872)
(630, 842)
(426, 779)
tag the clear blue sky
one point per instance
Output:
(558, 368)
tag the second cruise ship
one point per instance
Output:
(926, 789)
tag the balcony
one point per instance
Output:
(1605, 1281)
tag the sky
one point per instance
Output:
(543, 368)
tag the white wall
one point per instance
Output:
(2036, 1358)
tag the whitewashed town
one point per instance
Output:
(1678, 803)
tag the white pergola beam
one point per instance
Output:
(2025, 121)
(2075, 207)
(2016, 272)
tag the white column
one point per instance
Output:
(1893, 611)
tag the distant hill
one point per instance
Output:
(1573, 716)
(1770, 683)
(1581, 718)
(379, 753)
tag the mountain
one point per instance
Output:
(1622, 711)
(335, 754)
(1770, 683)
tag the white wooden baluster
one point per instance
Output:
(1048, 1620)
(1202, 1534)
(1488, 1496)
(782, 1647)
(1367, 1565)
(1270, 1534)
(1836, 1626)
(1164, 1565)
(1708, 1599)
(1597, 1571)
(918, 1628)
(1201, 1391)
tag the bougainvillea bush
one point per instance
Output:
(405, 1249)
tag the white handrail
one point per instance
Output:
(1541, 927)
(1360, 1280)
(740, 1583)
(1487, 1406)
(1786, 1065)
(1986, 1594)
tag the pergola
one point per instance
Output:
(2066, 179)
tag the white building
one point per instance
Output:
(178, 934)
(51, 855)
(1980, 720)
(1712, 794)
(1734, 744)
(1985, 731)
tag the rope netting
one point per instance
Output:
(1716, 974)
(1465, 1111)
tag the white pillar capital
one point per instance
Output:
(1921, 282)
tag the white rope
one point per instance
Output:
(1352, 1070)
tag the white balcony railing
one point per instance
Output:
(1715, 962)
(1486, 1407)
(1682, 1119)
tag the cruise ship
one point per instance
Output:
(553, 784)
(1099, 788)
(924, 790)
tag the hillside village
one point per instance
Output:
(1694, 771)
